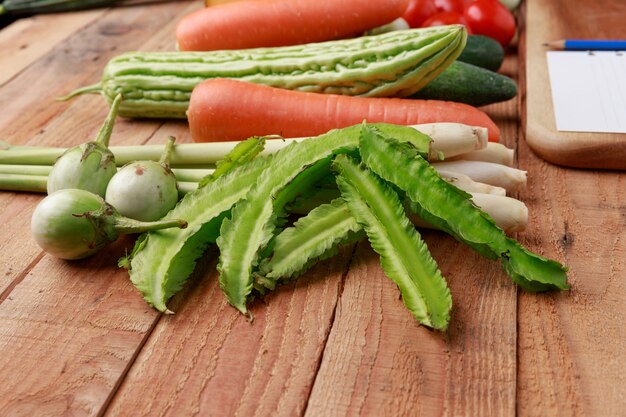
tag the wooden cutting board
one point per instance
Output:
(567, 19)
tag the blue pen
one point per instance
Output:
(588, 45)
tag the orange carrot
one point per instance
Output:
(224, 109)
(257, 23)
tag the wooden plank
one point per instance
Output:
(18, 250)
(379, 362)
(571, 345)
(208, 360)
(74, 122)
(29, 99)
(27, 39)
(78, 324)
(556, 20)
(67, 332)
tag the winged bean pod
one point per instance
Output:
(162, 262)
(452, 210)
(251, 227)
(318, 234)
(313, 237)
(403, 254)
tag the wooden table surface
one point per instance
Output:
(77, 339)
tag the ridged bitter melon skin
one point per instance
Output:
(159, 84)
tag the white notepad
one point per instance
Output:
(588, 90)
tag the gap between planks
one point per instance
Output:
(20, 277)
(129, 365)
(330, 327)
(23, 275)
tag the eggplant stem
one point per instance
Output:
(107, 127)
(124, 225)
(167, 152)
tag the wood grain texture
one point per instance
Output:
(72, 123)
(378, 362)
(571, 345)
(208, 360)
(77, 339)
(29, 99)
(67, 333)
(68, 330)
(555, 20)
(18, 251)
(26, 40)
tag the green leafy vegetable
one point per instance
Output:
(244, 236)
(163, 261)
(451, 209)
(312, 238)
(403, 254)
(242, 152)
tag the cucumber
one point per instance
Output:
(469, 84)
(482, 51)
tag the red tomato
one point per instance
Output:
(447, 18)
(451, 5)
(491, 18)
(418, 11)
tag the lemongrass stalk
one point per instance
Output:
(38, 183)
(510, 214)
(30, 155)
(487, 172)
(494, 152)
(182, 174)
(191, 174)
(465, 183)
(453, 139)
(186, 187)
(26, 169)
(20, 182)
(449, 139)
(190, 177)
